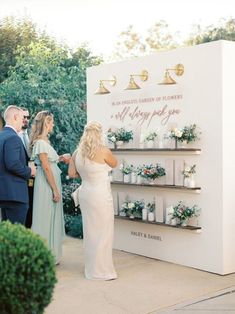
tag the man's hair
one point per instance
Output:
(10, 111)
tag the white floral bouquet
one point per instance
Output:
(150, 136)
(188, 171)
(126, 169)
(151, 207)
(119, 135)
(152, 171)
(130, 208)
(187, 133)
(183, 212)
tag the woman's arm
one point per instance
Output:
(109, 158)
(50, 177)
(72, 171)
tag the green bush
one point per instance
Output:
(73, 226)
(27, 271)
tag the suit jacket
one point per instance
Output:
(14, 171)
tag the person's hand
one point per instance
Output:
(65, 158)
(33, 169)
(56, 196)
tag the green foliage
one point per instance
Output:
(15, 33)
(48, 79)
(72, 217)
(40, 74)
(225, 30)
(73, 226)
(68, 203)
(27, 271)
(119, 135)
(131, 44)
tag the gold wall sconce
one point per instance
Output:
(132, 84)
(168, 80)
(101, 90)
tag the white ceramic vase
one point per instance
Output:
(151, 216)
(191, 182)
(119, 144)
(144, 214)
(184, 223)
(126, 178)
(139, 180)
(133, 177)
(150, 144)
(174, 221)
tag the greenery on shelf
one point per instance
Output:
(183, 212)
(151, 171)
(186, 134)
(27, 271)
(119, 135)
(130, 208)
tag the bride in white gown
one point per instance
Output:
(92, 161)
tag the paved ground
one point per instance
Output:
(144, 286)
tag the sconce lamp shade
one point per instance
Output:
(167, 80)
(132, 84)
(102, 90)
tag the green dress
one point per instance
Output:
(48, 218)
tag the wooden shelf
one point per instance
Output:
(191, 228)
(194, 151)
(161, 186)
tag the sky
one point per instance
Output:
(99, 22)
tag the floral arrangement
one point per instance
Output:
(188, 134)
(151, 207)
(130, 208)
(152, 171)
(119, 135)
(126, 169)
(188, 171)
(183, 212)
(150, 136)
(139, 170)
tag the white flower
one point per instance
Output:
(121, 166)
(187, 169)
(178, 133)
(113, 139)
(170, 210)
(131, 205)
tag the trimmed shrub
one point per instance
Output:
(27, 271)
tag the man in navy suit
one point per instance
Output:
(14, 171)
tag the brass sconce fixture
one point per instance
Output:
(168, 80)
(132, 84)
(101, 90)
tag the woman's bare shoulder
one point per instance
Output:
(105, 150)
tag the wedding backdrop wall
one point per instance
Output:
(204, 95)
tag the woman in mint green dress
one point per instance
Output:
(48, 219)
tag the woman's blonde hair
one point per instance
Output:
(39, 126)
(91, 140)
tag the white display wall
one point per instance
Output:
(203, 95)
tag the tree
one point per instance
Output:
(51, 79)
(131, 44)
(225, 30)
(15, 33)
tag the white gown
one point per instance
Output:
(96, 205)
